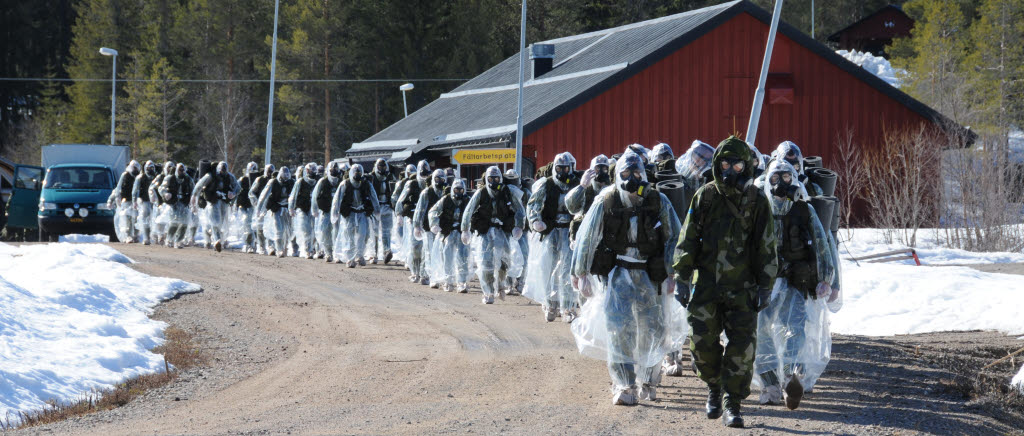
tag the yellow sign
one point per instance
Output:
(485, 156)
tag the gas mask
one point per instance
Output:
(180, 173)
(381, 167)
(150, 169)
(334, 171)
(733, 171)
(284, 175)
(133, 168)
(268, 171)
(603, 177)
(631, 180)
(357, 176)
(252, 170)
(168, 168)
(564, 174)
(222, 169)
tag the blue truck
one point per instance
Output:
(73, 196)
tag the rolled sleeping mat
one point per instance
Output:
(205, 167)
(825, 178)
(812, 162)
(664, 176)
(675, 191)
(835, 216)
(824, 207)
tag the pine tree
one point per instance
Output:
(100, 23)
(996, 59)
(933, 57)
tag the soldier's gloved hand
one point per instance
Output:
(417, 233)
(683, 292)
(231, 195)
(823, 290)
(435, 229)
(167, 196)
(764, 296)
(465, 238)
(539, 226)
(517, 233)
(588, 177)
(291, 212)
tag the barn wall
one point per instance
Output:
(705, 91)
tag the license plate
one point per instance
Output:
(77, 220)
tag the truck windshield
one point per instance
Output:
(78, 178)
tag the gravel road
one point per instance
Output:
(301, 347)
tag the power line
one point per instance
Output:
(54, 79)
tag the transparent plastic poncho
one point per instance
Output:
(354, 230)
(547, 272)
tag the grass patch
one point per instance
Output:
(179, 350)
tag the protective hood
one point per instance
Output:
(222, 168)
(169, 168)
(661, 152)
(410, 170)
(438, 180)
(782, 204)
(355, 174)
(268, 170)
(134, 168)
(309, 173)
(284, 175)
(333, 172)
(641, 151)
(492, 171)
(150, 168)
(423, 172)
(696, 160)
(603, 177)
(377, 167)
(635, 181)
(733, 148)
(180, 172)
(456, 185)
(251, 168)
(564, 159)
(511, 177)
(784, 149)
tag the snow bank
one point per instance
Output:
(876, 65)
(74, 237)
(901, 298)
(81, 322)
(1018, 381)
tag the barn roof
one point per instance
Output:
(482, 111)
(835, 36)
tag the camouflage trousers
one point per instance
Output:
(712, 312)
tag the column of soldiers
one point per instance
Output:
(736, 263)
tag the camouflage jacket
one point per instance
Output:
(728, 248)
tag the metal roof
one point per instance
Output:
(483, 109)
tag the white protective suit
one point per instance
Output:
(628, 321)
(547, 275)
(430, 245)
(159, 231)
(125, 212)
(353, 207)
(323, 196)
(241, 225)
(300, 207)
(793, 331)
(263, 246)
(406, 208)
(214, 217)
(451, 264)
(399, 244)
(272, 210)
(176, 190)
(143, 202)
(494, 244)
(383, 224)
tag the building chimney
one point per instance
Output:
(543, 58)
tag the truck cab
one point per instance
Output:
(74, 200)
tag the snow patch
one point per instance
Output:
(876, 65)
(1018, 381)
(74, 237)
(81, 322)
(881, 299)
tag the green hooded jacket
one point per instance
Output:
(718, 249)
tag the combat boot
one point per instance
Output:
(793, 392)
(714, 405)
(732, 417)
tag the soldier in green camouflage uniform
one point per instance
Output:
(727, 251)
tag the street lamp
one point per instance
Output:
(113, 88)
(404, 88)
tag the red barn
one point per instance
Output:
(875, 31)
(673, 79)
